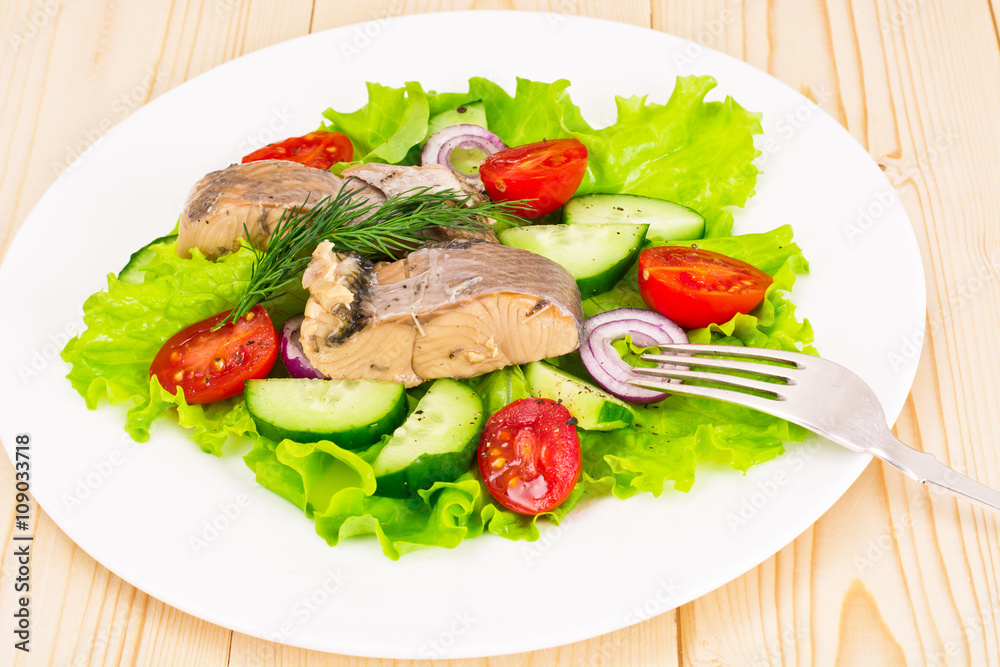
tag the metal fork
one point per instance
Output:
(820, 395)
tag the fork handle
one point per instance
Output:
(926, 469)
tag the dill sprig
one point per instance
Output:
(354, 224)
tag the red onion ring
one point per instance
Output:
(647, 328)
(295, 360)
(440, 145)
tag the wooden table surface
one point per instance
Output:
(891, 575)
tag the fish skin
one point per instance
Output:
(251, 197)
(394, 180)
(255, 194)
(459, 309)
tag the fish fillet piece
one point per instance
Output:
(251, 197)
(394, 180)
(255, 194)
(458, 309)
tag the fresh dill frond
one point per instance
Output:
(354, 224)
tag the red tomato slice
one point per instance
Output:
(316, 149)
(212, 365)
(529, 455)
(695, 287)
(548, 172)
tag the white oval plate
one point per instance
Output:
(259, 567)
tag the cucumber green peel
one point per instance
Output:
(435, 444)
(353, 413)
(595, 255)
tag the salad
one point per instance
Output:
(422, 453)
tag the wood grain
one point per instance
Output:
(891, 575)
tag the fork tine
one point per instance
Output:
(857, 422)
(796, 358)
(778, 372)
(747, 400)
(718, 378)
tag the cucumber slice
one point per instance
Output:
(667, 221)
(597, 256)
(594, 409)
(473, 113)
(131, 273)
(435, 444)
(349, 413)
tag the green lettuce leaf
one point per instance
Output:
(501, 387)
(128, 323)
(632, 353)
(534, 113)
(440, 102)
(335, 487)
(669, 439)
(688, 151)
(697, 153)
(388, 127)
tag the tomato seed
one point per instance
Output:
(178, 376)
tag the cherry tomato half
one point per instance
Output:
(316, 149)
(212, 365)
(548, 172)
(529, 455)
(695, 287)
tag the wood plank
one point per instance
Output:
(332, 13)
(892, 574)
(648, 643)
(102, 61)
(134, 52)
(918, 569)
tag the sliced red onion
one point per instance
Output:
(647, 328)
(295, 360)
(440, 145)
